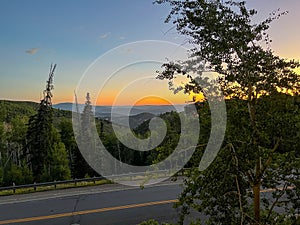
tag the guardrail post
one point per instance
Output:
(56, 184)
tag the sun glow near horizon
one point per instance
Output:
(112, 98)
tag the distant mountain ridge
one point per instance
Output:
(122, 115)
(121, 111)
(128, 116)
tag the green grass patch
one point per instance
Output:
(54, 187)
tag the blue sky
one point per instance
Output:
(74, 33)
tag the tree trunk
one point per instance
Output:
(256, 192)
(257, 180)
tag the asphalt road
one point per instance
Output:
(103, 205)
(111, 204)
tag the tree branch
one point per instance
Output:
(276, 201)
(240, 199)
(269, 160)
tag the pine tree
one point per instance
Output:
(86, 119)
(43, 142)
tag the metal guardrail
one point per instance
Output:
(54, 184)
(75, 181)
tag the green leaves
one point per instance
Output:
(224, 190)
(152, 222)
(228, 42)
(261, 147)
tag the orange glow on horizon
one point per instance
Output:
(149, 100)
(152, 100)
(135, 97)
(108, 99)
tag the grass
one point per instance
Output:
(54, 187)
(143, 180)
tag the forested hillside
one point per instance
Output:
(280, 127)
(14, 138)
(14, 123)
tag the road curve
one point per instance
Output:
(103, 205)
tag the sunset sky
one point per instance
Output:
(74, 33)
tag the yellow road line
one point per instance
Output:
(54, 216)
(84, 212)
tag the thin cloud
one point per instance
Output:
(32, 51)
(105, 35)
(121, 38)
